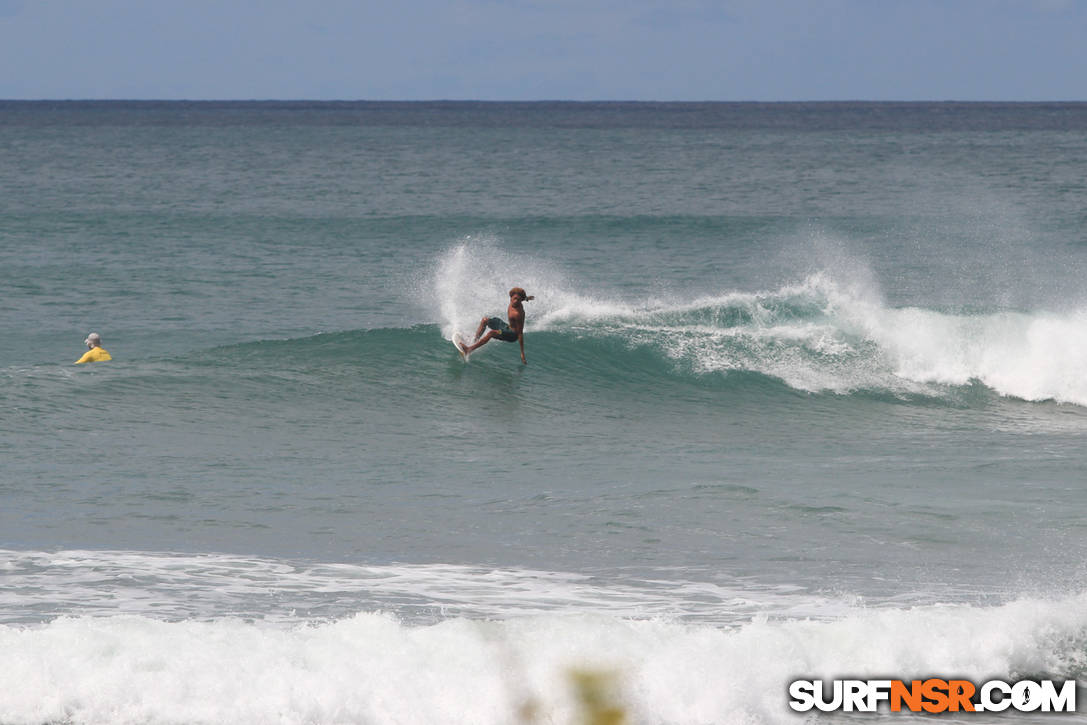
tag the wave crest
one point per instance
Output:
(822, 335)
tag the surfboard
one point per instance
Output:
(460, 343)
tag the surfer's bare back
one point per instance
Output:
(500, 330)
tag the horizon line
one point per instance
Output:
(541, 101)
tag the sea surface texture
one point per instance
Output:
(806, 397)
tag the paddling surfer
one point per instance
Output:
(95, 351)
(514, 331)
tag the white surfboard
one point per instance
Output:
(460, 343)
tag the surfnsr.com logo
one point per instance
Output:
(933, 695)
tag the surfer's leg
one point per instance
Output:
(483, 341)
(479, 330)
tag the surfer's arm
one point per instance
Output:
(85, 359)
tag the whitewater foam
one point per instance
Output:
(371, 667)
(44, 585)
(1040, 356)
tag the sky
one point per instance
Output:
(662, 50)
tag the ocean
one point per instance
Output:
(806, 398)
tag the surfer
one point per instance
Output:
(514, 331)
(95, 351)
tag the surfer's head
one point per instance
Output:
(93, 340)
(519, 293)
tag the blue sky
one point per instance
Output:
(729, 50)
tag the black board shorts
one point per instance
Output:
(505, 332)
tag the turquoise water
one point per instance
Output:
(806, 395)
